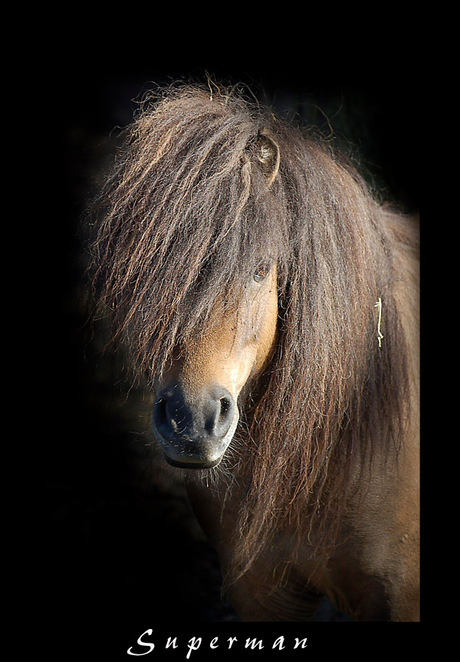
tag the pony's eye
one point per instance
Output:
(262, 271)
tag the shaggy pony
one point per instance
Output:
(183, 217)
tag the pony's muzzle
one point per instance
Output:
(194, 431)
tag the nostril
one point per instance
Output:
(169, 416)
(159, 412)
(218, 414)
(225, 406)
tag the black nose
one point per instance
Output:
(194, 430)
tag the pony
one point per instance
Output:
(270, 303)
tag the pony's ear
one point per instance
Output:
(268, 155)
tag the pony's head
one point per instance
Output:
(188, 253)
(196, 409)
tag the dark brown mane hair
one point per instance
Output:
(180, 222)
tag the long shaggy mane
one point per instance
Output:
(182, 219)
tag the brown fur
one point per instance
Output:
(183, 217)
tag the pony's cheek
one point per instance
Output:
(237, 371)
(266, 337)
(249, 363)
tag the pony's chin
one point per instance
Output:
(193, 464)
